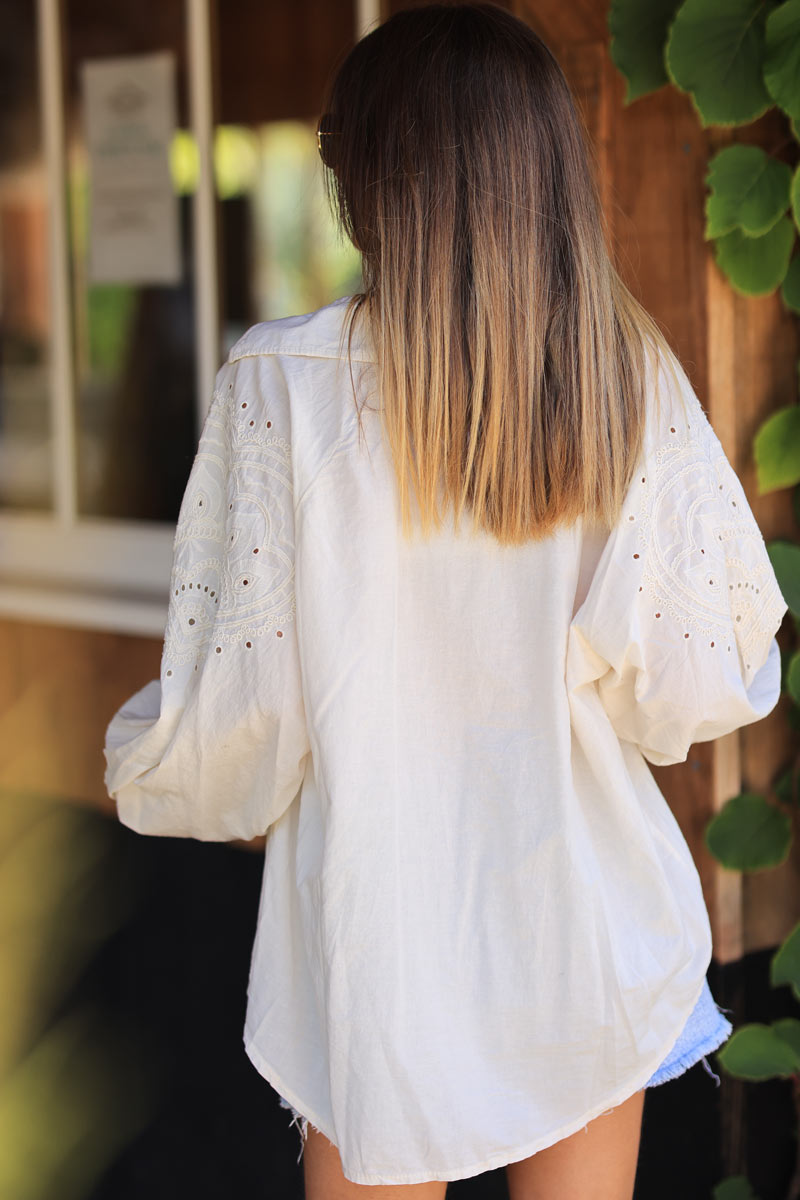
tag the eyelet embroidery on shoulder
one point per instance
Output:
(233, 554)
(703, 558)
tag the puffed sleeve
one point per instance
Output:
(216, 748)
(677, 628)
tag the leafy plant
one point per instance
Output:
(737, 59)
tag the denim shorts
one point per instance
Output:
(705, 1030)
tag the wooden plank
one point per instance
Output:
(65, 685)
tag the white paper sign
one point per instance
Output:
(129, 109)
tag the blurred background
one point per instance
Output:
(160, 192)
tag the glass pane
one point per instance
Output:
(280, 253)
(25, 434)
(131, 256)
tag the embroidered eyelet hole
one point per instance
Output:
(636, 556)
(702, 551)
(244, 404)
(245, 582)
(739, 618)
(686, 635)
(219, 650)
(183, 587)
(643, 479)
(249, 645)
(631, 518)
(191, 620)
(279, 633)
(169, 672)
(640, 589)
(269, 424)
(252, 423)
(712, 645)
(733, 502)
(256, 550)
(672, 428)
(213, 593)
(205, 589)
(711, 583)
(658, 614)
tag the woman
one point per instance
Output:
(481, 934)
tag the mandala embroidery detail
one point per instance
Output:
(233, 554)
(704, 563)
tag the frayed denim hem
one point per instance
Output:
(300, 1122)
(705, 1030)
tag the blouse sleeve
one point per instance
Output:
(216, 748)
(677, 629)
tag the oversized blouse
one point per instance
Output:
(480, 925)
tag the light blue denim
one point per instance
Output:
(705, 1030)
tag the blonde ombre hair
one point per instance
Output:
(511, 357)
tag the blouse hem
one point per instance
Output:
(494, 1161)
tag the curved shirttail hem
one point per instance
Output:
(503, 1157)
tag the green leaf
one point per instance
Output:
(785, 559)
(793, 677)
(715, 51)
(735, 1187)
(638, 33)
(788, 1028)
(776, 448)
(796, 193)
(749, 834)
(750, 191)
(758, 1052)
(756, 265)
(785, 965)
(782, 59)
(790, 288)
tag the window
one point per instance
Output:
(108, 355)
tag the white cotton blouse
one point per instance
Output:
(480, 925)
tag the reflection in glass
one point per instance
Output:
(134, 342)
(278, 251)
(281, 251)
(25, 435)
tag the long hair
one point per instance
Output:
(511, 356)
